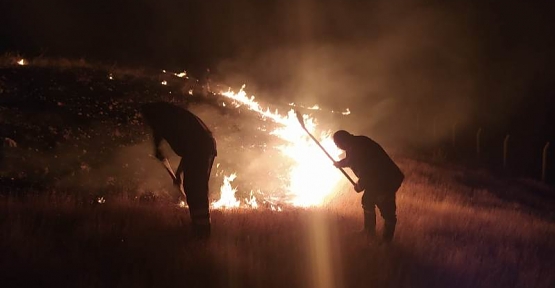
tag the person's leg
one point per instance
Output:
(195, 184)
(368, 206)
(388, 210)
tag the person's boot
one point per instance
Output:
(201, 223)
(389, 230)
(369, 229)
(201, 231)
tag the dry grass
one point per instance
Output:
(456, 228)
(12, 59)
(449, 235)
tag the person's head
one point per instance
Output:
(342, 139)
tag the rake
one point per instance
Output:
(301, 121)
(169, 169)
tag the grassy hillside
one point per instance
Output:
(79, 140)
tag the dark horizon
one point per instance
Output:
(193, 32)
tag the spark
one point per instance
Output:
(181, 75)
(22, 62)
(164, 82)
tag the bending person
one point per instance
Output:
(378, 176)
(191, 139)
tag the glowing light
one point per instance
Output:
(164, 82)
(181, 75)
(227, 198)
(110, 77)
(22, 62)
(240, 98)
(315, 107)
(251, 201)
(346, 112)
(311, 178)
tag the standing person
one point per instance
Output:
(378, 176)
(191, 139)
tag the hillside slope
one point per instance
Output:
(78, 136)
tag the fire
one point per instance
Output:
(181, 74)
(227, 198)
(312, 176)
(22, 62)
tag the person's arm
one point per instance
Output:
(342, 163)
(157, 146)
(361, 185)
(178, 174)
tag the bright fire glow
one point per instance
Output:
(227, 198)
(311, 178)
(22, 62)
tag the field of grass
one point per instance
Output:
(449, 235)
(78, 139)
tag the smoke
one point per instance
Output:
(246, 147)
(393, 67)
(410, 71)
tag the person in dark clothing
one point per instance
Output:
(378, 176)
(191, 139)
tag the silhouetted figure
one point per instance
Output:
(378, 176)
(189, 138)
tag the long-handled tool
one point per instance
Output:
(301, 121)
(169, 168)
(172, 175)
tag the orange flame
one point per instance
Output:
(311, 178)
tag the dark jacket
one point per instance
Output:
(371, 164)
(184, 131)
